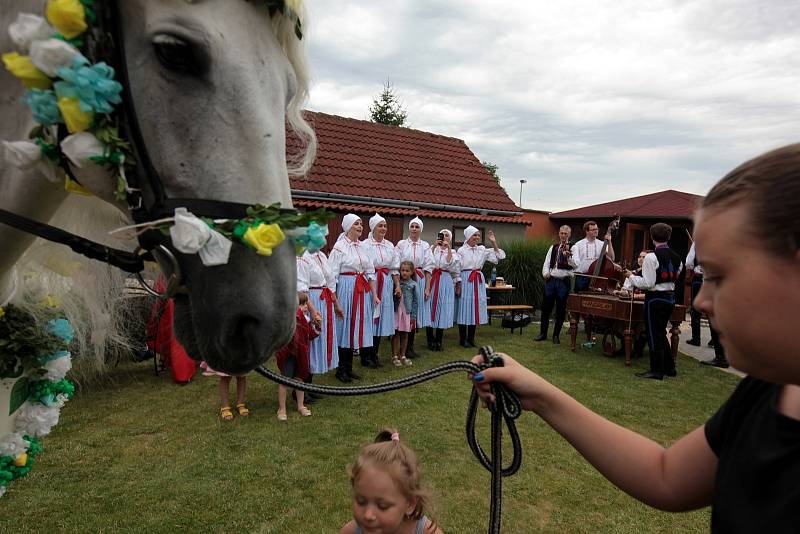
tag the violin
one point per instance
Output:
(605, 275)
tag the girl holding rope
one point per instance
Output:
(745, 460)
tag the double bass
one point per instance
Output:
(605, 275)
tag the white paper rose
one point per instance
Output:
(191, 235)
(36, 419)
(50, 55)
(58, 368)
(29, 28)
(23, 155)
(79, 147)
(13, 445)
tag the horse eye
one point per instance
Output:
(180, 56)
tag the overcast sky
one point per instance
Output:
(587, 100)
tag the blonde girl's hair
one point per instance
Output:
(400, 463)
(410, 265)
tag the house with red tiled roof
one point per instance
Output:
(402, 173)
(675, 208)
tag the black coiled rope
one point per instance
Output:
(506, 408)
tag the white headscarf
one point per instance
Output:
(347, 222)
(416, 220)
(469, 231)
(448, 232)
(374, 221)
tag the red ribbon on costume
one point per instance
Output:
(329, 298)
(420, 274)
(380, 272)
(476, 277)
(359, 289)
(435, 276)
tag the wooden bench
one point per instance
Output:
(510, 308)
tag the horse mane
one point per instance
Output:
(89, 293)
(298, 163)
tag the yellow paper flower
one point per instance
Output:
(21, 460)
(264, 238)
(71, 186)
(68, 17)
(22, 68)
(51, 302)
(76, 120)
(2, 312)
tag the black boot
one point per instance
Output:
(345, 363)
(374, 362)
(542, 335)
(429, 338)
(471, 335)
(363, 353)
(438, 341)
(410, 352)
(462, 335)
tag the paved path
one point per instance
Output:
(703, 352)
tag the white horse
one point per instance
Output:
(214, 83)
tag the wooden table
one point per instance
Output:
(623, 320)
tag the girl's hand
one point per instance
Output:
(491, 237)
(337, 310)
(317, 319)
(518, 378)
(427, 293)
(396, 291)
(375, 300)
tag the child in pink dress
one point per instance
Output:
(405, 315)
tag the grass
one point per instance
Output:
(145, 455)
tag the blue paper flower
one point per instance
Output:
(93, 85)
(54, 356)
(61, 328)
(314, 237)
(43, 106)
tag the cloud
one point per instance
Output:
(588, 101)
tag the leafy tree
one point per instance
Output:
(387, 108)
(491, 168)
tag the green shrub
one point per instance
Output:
(522, 268)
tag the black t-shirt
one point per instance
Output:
(757, 486)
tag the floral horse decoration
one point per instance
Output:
(147, 140)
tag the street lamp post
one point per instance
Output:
(522, 181)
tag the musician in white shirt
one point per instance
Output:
(586, 251)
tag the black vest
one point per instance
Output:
(669, 265)
(558, 259)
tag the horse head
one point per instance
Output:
(212, 85)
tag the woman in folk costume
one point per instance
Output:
(321, 283)
(387, 283)
(418, 252)
(351, 262)
(446, 270)
(472, 304)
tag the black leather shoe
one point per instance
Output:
(556, 339)
(710, 343)
(541, 337)
(471, 343)
(354, 376)
(309, 400)
(717, 362)
(343, 377)
(673, 373)
(464, 344)
(411, 354)
(695, 342)
(650, 374)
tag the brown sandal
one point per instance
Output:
(225, 413)
(242, 409)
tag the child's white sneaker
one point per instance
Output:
(405, 361)
(397, 362)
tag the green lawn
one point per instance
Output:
(147, 455)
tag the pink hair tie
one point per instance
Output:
(395, 436)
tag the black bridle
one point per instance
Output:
(146, 196)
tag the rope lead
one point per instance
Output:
(506, 407)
